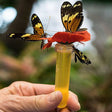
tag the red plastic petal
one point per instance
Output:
(67, 37)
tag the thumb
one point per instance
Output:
(41, 103)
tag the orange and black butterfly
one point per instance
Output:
(38, 31)
(72, 18)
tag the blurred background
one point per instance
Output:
(21, 60)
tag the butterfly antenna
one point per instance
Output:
(47, 26)
(48, 23)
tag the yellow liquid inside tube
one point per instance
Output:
(63, 65)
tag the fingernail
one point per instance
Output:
(54, 96)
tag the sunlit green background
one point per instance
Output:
(20, 60)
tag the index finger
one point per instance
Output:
(28, 89)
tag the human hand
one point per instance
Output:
(27, 97)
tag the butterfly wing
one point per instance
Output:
(24, 36)
(76, 17)
(38, 28)
(65, 13)
(82, 58)
(72, 16)
(37, 25)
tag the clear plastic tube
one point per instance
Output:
(63, 65)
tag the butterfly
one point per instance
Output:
(72, 18)
(37, 28)
(79, 55)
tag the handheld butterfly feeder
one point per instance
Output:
(72, 18)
